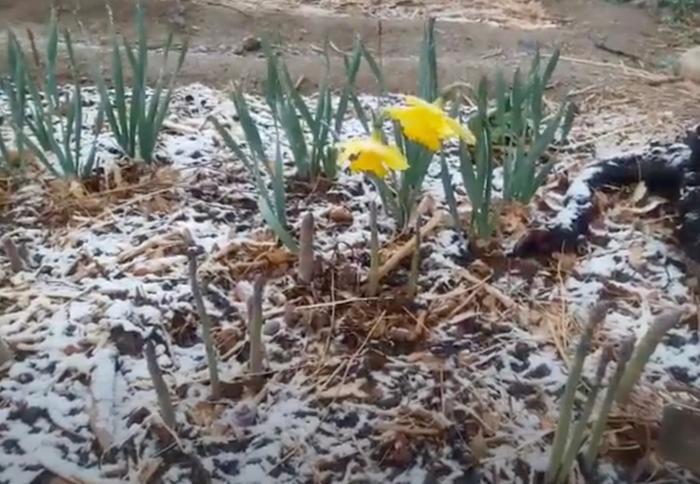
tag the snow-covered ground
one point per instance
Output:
(454, 386)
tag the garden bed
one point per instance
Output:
(460, 383)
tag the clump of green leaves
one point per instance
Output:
(516, 128)
(401, 194)
(55, 124)
(271, 202)
(681, 10)
(310, 133)
(520, 124)
(477, 171)
(516, 120)
(313, 155)
(136, 118)
(13, 85)
(294, 115)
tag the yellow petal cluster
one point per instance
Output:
(427, 124)
(370, 155)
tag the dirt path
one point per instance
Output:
(494, 37)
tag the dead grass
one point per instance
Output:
(141, 187)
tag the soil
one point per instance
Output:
(476, 37)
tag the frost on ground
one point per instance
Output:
(458, 385)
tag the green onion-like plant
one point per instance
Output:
(14, 87)
(66, 143)
(520, 125)
(272, 203)
(311, 131)
(26, 104)
(56, 125)
(135, 117)
(419, 157)
(572, 438)
(568, 399)
(477, 173)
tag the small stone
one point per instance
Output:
(270, 328)
(127, 342)
(291, 316)
(522, 351)
(251, 44)
(340, 215)
(520, 390)
(244, 414)
(540, 371)
(689, 64)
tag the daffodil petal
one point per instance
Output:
(459, 131)
(393, 158)
(371, 155)
(417, 126)
(394, 112)
(368, 163)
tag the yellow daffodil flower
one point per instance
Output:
(372, 156)
(427, 124)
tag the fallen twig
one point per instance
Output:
(438, 219)
(488, 288)
(146, 246)
(612, 50)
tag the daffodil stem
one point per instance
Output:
(373, 278)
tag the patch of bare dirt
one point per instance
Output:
(610, 53)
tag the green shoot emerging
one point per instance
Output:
(134, 116)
